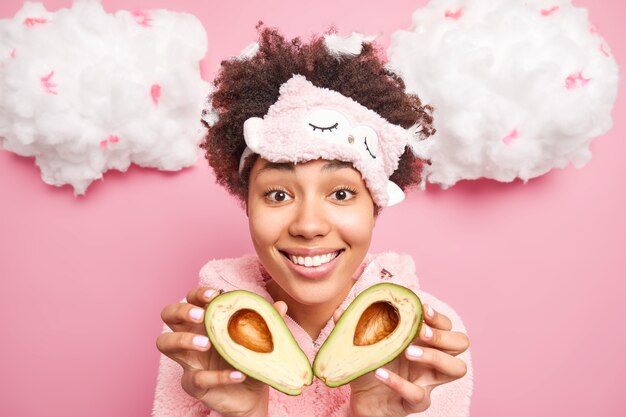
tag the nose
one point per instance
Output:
(310, 220)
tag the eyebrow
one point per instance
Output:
(281, 166)
(335, 165)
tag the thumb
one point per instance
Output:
(337, 314)
(281, 307)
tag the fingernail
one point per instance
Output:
(415, 352)
(428, 332)
(382, 374)
(196, 313)
(201, 341)
(208, 294)
(430, 312)
(236, 375)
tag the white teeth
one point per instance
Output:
(316, 260)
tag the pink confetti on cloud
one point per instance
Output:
(110, 139)
(605, 50)
(142, 18)
(33, 21)
(155, 93)
(51, 85)
(456, 15)
(510, 137)
(576, 80)
(548, 12)
(47, 84)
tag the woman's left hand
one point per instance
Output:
(403, 386)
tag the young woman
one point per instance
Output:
(314, 142)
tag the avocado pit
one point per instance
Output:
(378, 321)
(248, 328)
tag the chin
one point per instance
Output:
(319, 291)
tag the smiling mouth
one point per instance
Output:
(311, 261)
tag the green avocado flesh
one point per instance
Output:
(377, 326)
(251, 336)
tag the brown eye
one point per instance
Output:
(343, 194)
(277, 196)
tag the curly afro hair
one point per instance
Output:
(246, 88)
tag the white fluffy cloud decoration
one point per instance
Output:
(85, 91)
(518, 87)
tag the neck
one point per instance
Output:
(311, 317)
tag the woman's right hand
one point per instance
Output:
(206, 376)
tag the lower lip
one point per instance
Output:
(313, 272)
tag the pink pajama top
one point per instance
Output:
(447, 400)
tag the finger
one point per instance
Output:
(201, 296)
(181, 316)
(177, 345)
(415, 398)
(448, 365)
(337, 314)
(198, 382)
(281, 307)
(436, 319)
(448, 341)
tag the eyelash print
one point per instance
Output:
(368, 149)
(330, 129)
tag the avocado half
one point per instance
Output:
(251, 336)
(377, 326)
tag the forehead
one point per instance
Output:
(325, 166)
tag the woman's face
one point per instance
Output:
(311, 225)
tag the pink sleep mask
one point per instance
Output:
(308, 123)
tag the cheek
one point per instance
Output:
(357, 228)
(259, 230)
(265, 226)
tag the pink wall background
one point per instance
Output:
(537, 271)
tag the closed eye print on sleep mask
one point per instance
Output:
(328, 124)
(309, 122)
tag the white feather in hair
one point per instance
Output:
(249, 51)
(350, 46)
(209, 115)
